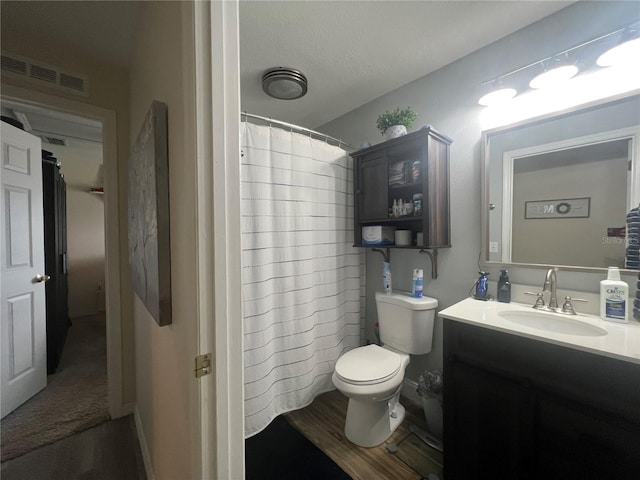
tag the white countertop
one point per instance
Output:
(621, 342)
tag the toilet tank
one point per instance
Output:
(406, 323)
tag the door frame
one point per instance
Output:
(217, 75)
(114, 314)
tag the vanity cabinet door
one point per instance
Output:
(579, 441)
(488, 421)
(523, 409)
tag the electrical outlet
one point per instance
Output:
(493, 247)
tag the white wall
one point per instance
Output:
(447, 99)
(166, 389)
(82, 169)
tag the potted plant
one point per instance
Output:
(394, 124)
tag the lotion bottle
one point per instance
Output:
(614, 297)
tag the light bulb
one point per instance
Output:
(554, 76)
(625, 53)
(497, 96)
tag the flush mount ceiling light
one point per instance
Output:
(556, 71)
(284, 83)
(625, 52)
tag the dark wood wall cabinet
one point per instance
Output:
(413, 169)
(517, 408)
(54, 191)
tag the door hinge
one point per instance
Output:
(203, 365)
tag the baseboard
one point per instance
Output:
(121, 410)
(410, 392)
(144, 448)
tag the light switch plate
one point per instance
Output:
(493, 247)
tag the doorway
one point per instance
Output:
(107, 295)
(76, 395)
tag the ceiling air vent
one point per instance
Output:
(55, 141)
(14, 65)
(37, 72)
(43, 73)
(71, 81)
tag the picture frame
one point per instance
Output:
(558, 208)
(149, 222)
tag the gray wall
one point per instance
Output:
(556, 240)
(447, 99)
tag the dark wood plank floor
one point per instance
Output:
(322, 422)
(109, 451)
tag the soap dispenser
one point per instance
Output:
(504, 287)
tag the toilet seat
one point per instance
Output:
(368, 365)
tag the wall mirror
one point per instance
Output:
(557, 189)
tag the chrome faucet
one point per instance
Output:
(550, 285)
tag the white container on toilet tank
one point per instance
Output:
(406, 323)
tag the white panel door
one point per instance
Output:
(23, 344)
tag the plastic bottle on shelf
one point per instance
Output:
(418, 283)
(417, 204)
(386, 278)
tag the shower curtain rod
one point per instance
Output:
(298, 129)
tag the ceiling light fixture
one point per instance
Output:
(284, 83)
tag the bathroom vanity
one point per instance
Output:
(539, 395)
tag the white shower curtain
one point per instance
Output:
(300, 272)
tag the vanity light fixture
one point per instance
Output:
(562, 66)
(556, 71)
(284, 83)
(498, 93)
(625, 52)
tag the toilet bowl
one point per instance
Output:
(371, 376)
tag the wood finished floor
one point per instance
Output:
(109, 451)
(322, 422)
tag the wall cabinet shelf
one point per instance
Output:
(520, 408)
(398, 169)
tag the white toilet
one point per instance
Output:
(372, 376)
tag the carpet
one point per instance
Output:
(281, 452)
(74, 400)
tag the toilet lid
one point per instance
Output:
(368, 365)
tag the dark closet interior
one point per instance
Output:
(54, 191)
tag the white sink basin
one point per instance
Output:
(553, 323)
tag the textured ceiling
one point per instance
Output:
(351, 51)
(355, 51)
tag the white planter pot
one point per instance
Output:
(395, 131)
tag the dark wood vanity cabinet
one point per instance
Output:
(516, 408)
(417, 163)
